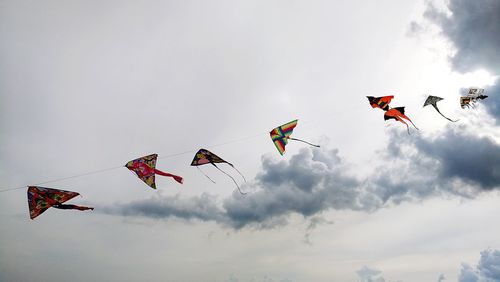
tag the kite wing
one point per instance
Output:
(399, 115)
(41, 198)
(145, 168)
(281, 134)
(474, 92)
(432, 100)
(380, 102)
(204, 156)
(472, 97)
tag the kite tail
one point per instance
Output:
(448, 118)
(205, 174)
(401, 120)
(231, 178)
(175, 177)
(238, 172)
(407, 118)
(413, 124)
(304, 142)
(444, 115)
(72, 207)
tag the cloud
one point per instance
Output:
(472, 27)
(488, 268)
(462, 156)
(492, 103)
(467, 274)
(313, 223)
(489, 264)
(201, 208)
(318, 180)
(367, 274)
(441, 278)
(312, 181)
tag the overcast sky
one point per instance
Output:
(90, 85)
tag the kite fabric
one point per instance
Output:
(41, 198)
(145, 168)
(281, 134)
(204, 156)
(397, 113)
(432, 100)
(380, 102)
(472, 97)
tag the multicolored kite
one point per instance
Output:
(390, 113)
(145, 168)
(281, 134)
(41, 198)
(432, 100)
(472, 97)
(204, 156)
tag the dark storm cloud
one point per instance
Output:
(467, 157)
(473, 29)
(311, 182)
(488, 268)
(317, 180)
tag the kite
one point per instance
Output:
(41, 198)
(472, 97)
(281, 134)
(390, 113)
(145, 168)
(204, 156)
(432, 100)
(380, 102)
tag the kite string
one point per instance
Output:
(64, 178)
(163, 157)
(117, 167)
(213, 146)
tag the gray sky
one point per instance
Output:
(91, 85)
